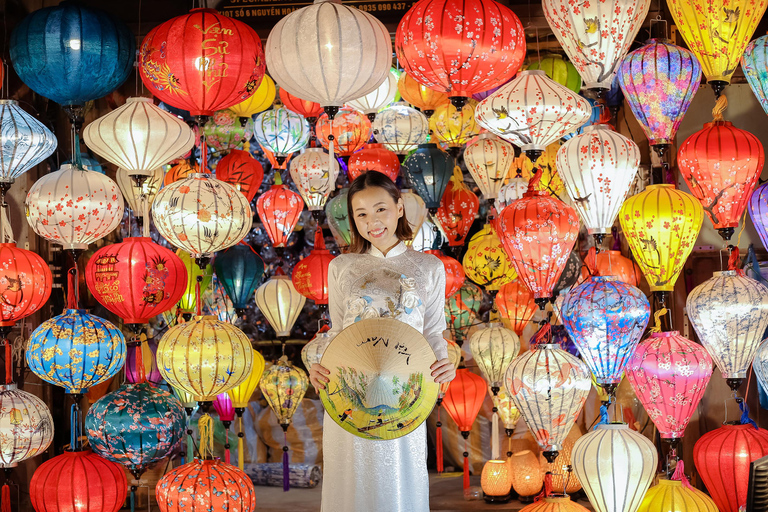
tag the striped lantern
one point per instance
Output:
(261, 100)
(401, 128)
(314, 175)
(239, 270)
(458, 209)
(494, 347)
(350, 130)
(279, 210)
(140, 197)
(374, 101)
(421, 97)
(280, 303)
(282, 131)
(283, 386)
(240, 396)
(554, 503)
(754, 63)
(463, 400)
(26, 141)
(488, 160)
(678, 496)
(461, 310)
(452, 126)
(486, 263)
(26, 426)
(242, 171)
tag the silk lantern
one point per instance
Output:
(239, 270)
(613, 263)
(758, 212)
(483, 48)
(314, 175)
(204, 357)
(241, 397)
(308, 109)
(26, 426)
(421, 97)
(374, 157)
(598, 167)
(549, 386)
(336, 211)
(659, 80)
(349, 130)
(594, 38)
(371, 103)
(554, 503)
(452, 126)
(223, 406)
(181, 170)
(242, 171)
(678, 496)
(280, 303)
(282, 131)
(26, 284)
(140, 364)
(454, 273)
(488, 159)
(461, 308)
(202, 61)
(208, 484)
(615, 466)
(224, 131)
(429, 170)
(313, 351)
(729, 312)
(310, 274)
(139, 196)
(512, 191)
(532, 111)
(401, 128)
(195, 275)
(754, 65)
(26, 142)
(458, 209)
(279, 209)
(560, 70)
(463, 401)
(486, 263)
(723, 456)
(78, 481)
(508, 413)
(516, 305)
(261, 100)
(661, 224)
(721, 165)
(546, 165)
(561, 470)
(415, 209)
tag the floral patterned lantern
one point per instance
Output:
(376, 100)
(516, 305)
(421, 97)
(486, 35)
(512, 191)
(374, 157)
(596, 39)
(401, 128)
(429, 170)
(461, 308)
(26, 142)
(508, 413)
(308, 109)
(260, 101)
(239, 270)
(463, 401)
(280, 303)
(338, 218)
(458, 209)
(205, 485)
(314, 174)
(452, 126)
(139, 196)
(560, 70)
(26, 426)
(310, 275)
(279, 209)
(349, 129)
(753, 63)
(26, 284)
(485, 261)
(488, 160)
(758, 212)
(454, 272)
(282, 131)
(242, 171)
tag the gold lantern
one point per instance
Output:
(527, 476)
(280, 303)
(674, 495)
(563, 479)
(454, 127)
(486, 263)
(241, 397)
(496, 481)
(420, 96)
(509, 414)
(260, 101)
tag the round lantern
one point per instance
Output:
(421, 97)
(596, 39)
(279, 209)
(598, 167)
(239, 270)
(336, 211)
(139, 196)
(331, 33)
(136, 426)
(612, 263)
(415, 209)
(532, 111)
(661, 224)
(494, 347)
(561, 469)
(549, 386)
(26, 142)
(280, 303)
(26, 426)
(458, 209)
(615, 465)
(452, 126)
(463, 401)
(305, 108)
(201, 214)
(721, 165)
(554, 503)
(76, 482)
(429, 170)
(488, 160)
(669, 375)
(202, 61)
(208, 485)
(314, 174)
(74, 207)
(195, 275)
(560, 70)
(76, 351)
(349, 129)
(516, 305)
(139, 137)
(310, 275)
(261, 100)
(374, 157)
(374, 101)
(224, 131)
(512, 191)
(25, 283)
(527, 476)
(242, 171)
(454, 273)
(483, 48)
(753, 63)
(401, 128)
(723, 456)
(136, 279)
(485, 261)
(282, 131)
(496, 481)
(659, 81)
(461, 310)
(676, 495)
(758, 212)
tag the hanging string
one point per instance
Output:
(8, 362)
(544, 336)
(495, 452)
(439, 441)
(140, 371)
(240, 443)
(466, 465)
(74, 428)
(226, 445)
(657, 320)
(720, 106)
(72, 298)
(198, 300)
(206, 427)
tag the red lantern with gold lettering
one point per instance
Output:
(25, 283)
(374, 157)
(454, 272)
(279, 210)
(457, 210)
(310, 275)
(242, 171)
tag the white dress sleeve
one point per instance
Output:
(335, 297)
(434, 313)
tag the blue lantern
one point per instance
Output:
(89, 163)
(76, 351)
(25, 141)
(755, 65)
(239, 270)
(605, 318)
(72, 54)
(429, 169)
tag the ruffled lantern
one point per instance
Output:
(485, 261)
(281, 131)
(279, 209)
(452, 126)
(374, 101)
(516, 305)
(374, 157)
(139, 196)
(560, 70)
(26, 426)
(260, 101)
(401, 128)
(337, 214)
(280, 303)
(429, 170)
(26, 283)
(454, 272)
(207, 485)
(488, 160)
(314, 174)
(754, 63)
(308, 109)
(242, 171)
(458, 209)
(463, 401)
(26, 142)
(310, 275)
(239, 270)
(421, 97)
(349, 130)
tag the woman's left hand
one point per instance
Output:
(443, 371)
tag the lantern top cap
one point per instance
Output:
(139, 99)
(605, 279)
(489, 135)
(7, 387)
(314, 150)
(595, 128)
(613, 426)
(324, 1)
(548, 346)
(736, 426)
(668, 482)
(659, 186)
(557, 498)
(536, 72)
(725, 273)
(205, 9)
(9, 102)
(667, 334)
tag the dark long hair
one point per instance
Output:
(368, 179)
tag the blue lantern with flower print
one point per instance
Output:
(755, 65)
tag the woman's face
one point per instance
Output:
(376, 215)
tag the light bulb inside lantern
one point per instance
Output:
(202, 63)
(75, 44)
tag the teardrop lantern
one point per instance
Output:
(488, 159)
(401, 128)
(260, 101)
(26, 142)
(242, 171)
(452, 126)
(139, 196)
(516, 305)
(310, 275)
(753, 63)
(280, 303)
(195, 275)
(458, 209)
(463, 401)
(241, 397)
(676, 495)
(282, 131)
(338, 218)
(486, 263)
(454, 272)
(279, 209)
(429, 170)
(494, 347)
(374, 157)
(239, 270)
(314, 175)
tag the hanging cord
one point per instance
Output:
(8, 361)
(139, 361)
(533, 183)
(5, 499)
(439, 440)
(286, 466)
(466, 465)
(603, 414)
(734, 260)
(745, 419)
(547, 491)
(72, 298)
(198, 299)
(657, 320)
(74, 427)
(240, 442)
(720, 106)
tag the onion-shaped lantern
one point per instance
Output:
(239, 270)
(754, 64)
(458, 209)
(26, 426)
(314, 174)
(561, 70)
(463, 400)
(374, 157)
(279, 209)
(26, 283)
(206, 484)
(429, 170)
(336, 211)
(454, 272)
(401, 128)
(488, 160)
(140, 196)
(26, 141)
(282, 131)
(420, 96)
(349, 130)
(242, 171)
(280, 303)
(307, 109)
(461, 308)
(485, 261)
(452, 126)
(516, 305)
(494, 347)
(310, 275)
(374, 101)
(260, 101)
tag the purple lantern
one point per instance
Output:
(132, 374)
(758, 212)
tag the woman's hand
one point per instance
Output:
(443, 371)
(317, 376)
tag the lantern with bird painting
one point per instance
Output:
(314, 175)
(279, 209)
(486, 263)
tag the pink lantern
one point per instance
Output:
(226, 412)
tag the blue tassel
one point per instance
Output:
(603, 416)
(745, 419)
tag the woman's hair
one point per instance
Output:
(366, 180)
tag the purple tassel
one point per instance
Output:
(286, 470)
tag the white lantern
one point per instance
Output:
(201, 215)
(512, 191)
(615, 466)
(26, 426)
(494, 347)
(596, 38)
(24, 141)
(139, 137)
(281, 131)
(313, 351)
(598, 166)
(401, 128)
(329, 53)
(760, 365)
(489, 159)
(280, 303)
(415, 209)
(532, 111)
(74, 207)
(730, 314)
(425, 237)
(373, 102)
(314, 175)
(140, 197)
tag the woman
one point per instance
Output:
(381, 278)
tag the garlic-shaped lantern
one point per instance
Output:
(25, 141)
(314, 175)
(494, 347)
(280, 303)
(371, 103)
(488, 160)
(401, 128)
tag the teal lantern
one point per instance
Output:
(429, 169)
(461, 310)
(337, 213)
(76, 351)
(239, 270)
(755, 66)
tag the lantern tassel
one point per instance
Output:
(495, 435)
(720, 106)
(679, 474)
(591, 262)
(5, 501)
(547, 490)
(8, 362)
(533, 182)
(133, 498)
(603, 416)
(240, 444)
(286, 467)
(439, 443)
(466, 466)
(657, 319)
(205, 426)
(226, 452)
(745, 419)
(140, 372)
(72, 288)
(734, 259)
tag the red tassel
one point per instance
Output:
(8, 363)
(439, 443)
(466, 473)
(547, 490)
(591, 262)
(5, 500)
(679, 474)
(734, 260)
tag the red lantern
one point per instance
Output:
(242, 171)
(180, 171)
(205, 485)
(611, 263)
(273, 161)
(78, 482)
(25, 283)
(457, 210)
(310, 275)
(463, 401)
(202, 62)
(722, 458)
(279, 210)
(351, 130)
(721, 165)
(516, 305)
(374, 157)
(136, 279)
(454, 272)
(309, 109)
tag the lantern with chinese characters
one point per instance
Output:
(210, 484)
(26, 142)
(195, 276)
(204, 357)
(281, 131)
(596, 39)
(308, 109)
(454, 273)
(461, 308)
(349, 130)
(139, 196)
(279, 209)
(758, 212)
(371, 103)
(458, 209)
(374, 157)
(721, 165)
(661, 224)
(314, 174)
(463, 401)
(485, 261)
(452, 126)
(280, 303)
(242, 171)
(74, 207)
(202, 61)
(612, 263)
(421, 97)
(241, 397)
(26, 425)
(401, 128)
(598, 167)
(239, 270)
(336, 211)
(26, 283)
(488, 57)
(488, 160)
(754, 63)
(560, 70)
(676, 495)
(533, 111)
(310, 275)
(429, 170)
(549, 386)
(659, 81)
(516, 305)
(260, 101)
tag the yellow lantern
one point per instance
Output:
(496, 481)
(673, 496)
(241, 397)
(555, 504)
(188, 302)
(280, 303)
(527, 476)
(454, 127)
(661, 225)
(486, 263)
(563, 479)
(551, 181)
(508, 412)
(421, 97)
(717, 31)
(261, 100)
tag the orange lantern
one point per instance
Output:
(463, 400)
(273, 159)
(309, 109)
(457, 210)
(242, 171)
(279, 210)
(454, 272)
(611, 263)
(421, 97)
(350, 130)
(206, 485)
(180, 171)
(374, 157)
(310, 275)
(516, 305)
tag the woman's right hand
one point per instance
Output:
(317, 376)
